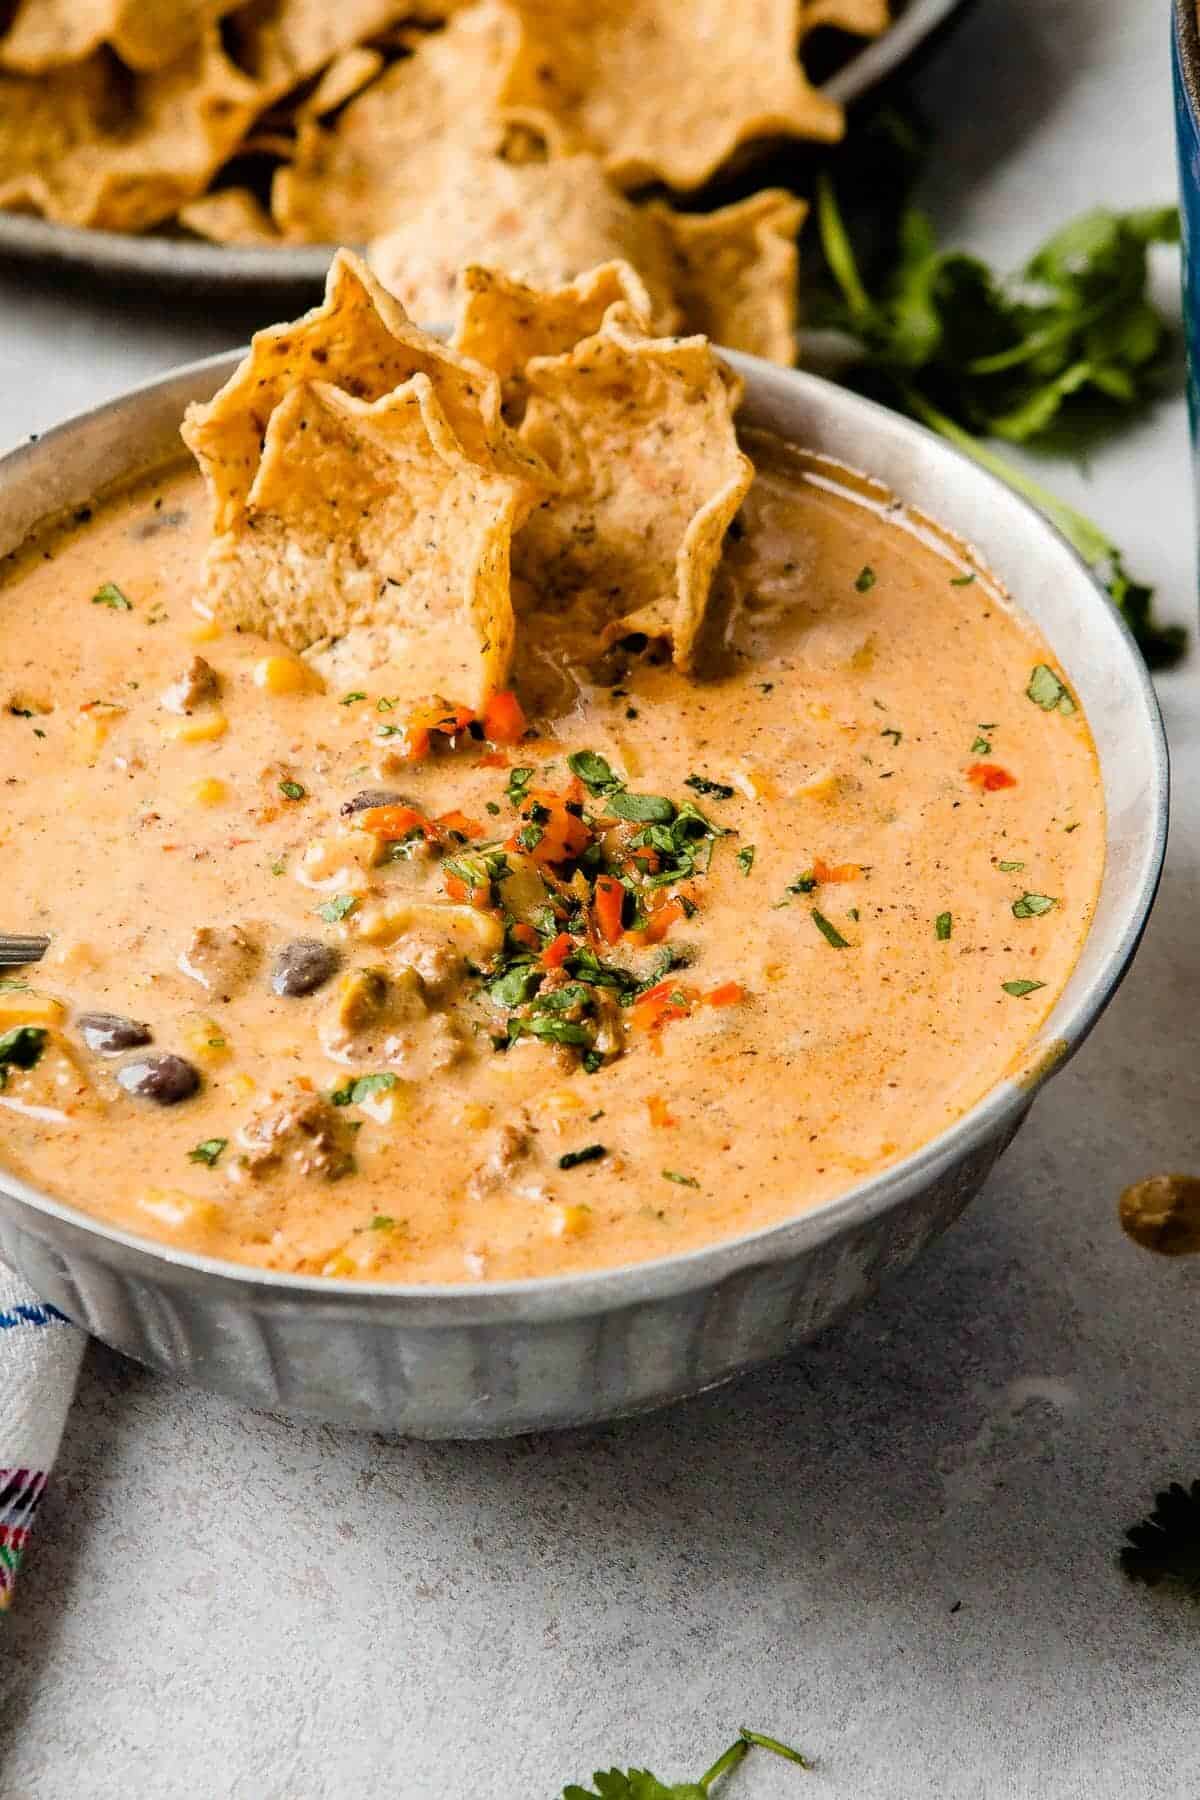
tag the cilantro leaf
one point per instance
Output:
(745, 858)
(21, 1048)
(571, 1159)
(640, 1784)
(110, 595)
(715, 790)
(1165, 1546)
(339, 908)
(1047, 691)
(594, 772)
(829, 931)
(360, 1088)
(943, 927)
(208, 1152)
(1032, 906)
(1019, 989)
(1071, 345)
(654, 809)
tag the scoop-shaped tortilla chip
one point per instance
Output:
(92, 145)
(736, 270)
(542, 223)
(865, 18)
(360, 340)
(345, 76)
(667, 90)
(146, 34)
(369, 518)
(504, 324)
(381, 158)
(640, 431)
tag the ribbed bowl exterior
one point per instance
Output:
(491, 1360)
(364, 1365)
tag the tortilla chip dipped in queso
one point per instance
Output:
(496, 817)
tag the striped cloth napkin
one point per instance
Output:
(40, 1353)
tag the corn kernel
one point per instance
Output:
(338, 1266)
(204, 1038)
(211, 791)
(473, 1117)
(287, 675)
(821, 786)
(201, 728)
(184, 1214)
(30, 1009)
(203, 631)
(560, 1103)
(240, 1087)
(568, 1221)
(756, 784)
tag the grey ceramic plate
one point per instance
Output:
(187, 264)
(490, 1359)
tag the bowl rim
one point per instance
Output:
(454, 1304)
(1187, 42)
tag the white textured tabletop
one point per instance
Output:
(898, 1549)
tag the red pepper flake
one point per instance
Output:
(824, 872)
(990, 777)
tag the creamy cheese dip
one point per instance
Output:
(912, 841)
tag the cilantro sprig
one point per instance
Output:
(1070, 346)
(640, 1784)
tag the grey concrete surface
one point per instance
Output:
(898, 1549)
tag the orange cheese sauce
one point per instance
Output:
(866, 704)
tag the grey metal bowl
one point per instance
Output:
(490, 1360)
(163, 262)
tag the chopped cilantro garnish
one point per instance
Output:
(1019, 989)
(515, 986)
(1047, 691)
(962, 580)
(561, 1000)
(291, 790)
(530, 836)
(716, 790)
(349, 699)
(829, 932)
(643, 809)
(679, 1180)
(803, 884)
(355, 1091)
(590, 1153)
(339, 908)
(13, 984)
(477, 868)
(491, 807)
(1032, 906)
(594, 772)
(943, 925)
(208, 1152)
(864, 581)
(745, 858)
(981, 747)
(21, 1048)
(110, 595)
(890, 731)
(278, 868)
(518, 781)
(382, 1222)
(1010, 868)
(558, 1031)
(385, 705)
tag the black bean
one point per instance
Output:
(166, 1079)
(303, 966)
(372, 797)
(108, 1033)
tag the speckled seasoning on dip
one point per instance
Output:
(635, 963)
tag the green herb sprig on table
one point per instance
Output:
(639, 1784)
(1071, 346)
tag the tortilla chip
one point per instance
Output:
(281, 43)
(736, 271)
(341, 81)
(361, 340)
(668, 89)
(368, 518)
(95, 146)
(640, 431)
(383, 155)
(146, 34)
(504, 324)
(231, 216)
(542, 223)
(865, 18)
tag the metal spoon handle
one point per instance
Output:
(16, 951)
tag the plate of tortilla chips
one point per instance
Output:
(234, 143)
